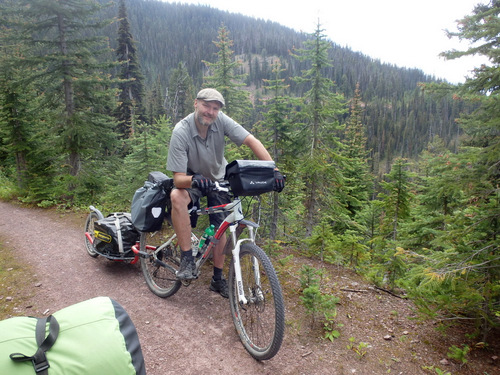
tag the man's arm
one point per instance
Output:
(182, 180)
(257, 147)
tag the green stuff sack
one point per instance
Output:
(94, 337)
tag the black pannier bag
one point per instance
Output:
(150, 202)
(250, 177)
(115, 235)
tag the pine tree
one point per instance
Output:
(356, 171)
(148, 152)
(222, 75)
(16, 121)
(321, 110)
(388, 262)
(439, 194)
(482, 127)
(461, 276)
(275, 131)
(154, 102)
(73, 80)
(397, 197)
(130, 109)
(17, 109)
(180, 94)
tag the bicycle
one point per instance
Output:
(255, 296)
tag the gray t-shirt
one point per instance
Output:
(190, 154)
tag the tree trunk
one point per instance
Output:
(274, 220)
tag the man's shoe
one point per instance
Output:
(219, 286)
(186, 270)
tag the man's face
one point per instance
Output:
(206, 112)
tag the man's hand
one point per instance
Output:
(202, 183)
(279, 181)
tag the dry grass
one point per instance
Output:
(17, 284)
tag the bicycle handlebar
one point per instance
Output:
(217, 186)
(221, 186)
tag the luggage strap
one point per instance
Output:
(118, 232)
(39, 359)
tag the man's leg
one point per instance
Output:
(218, 283)
(182, 225)
(219, 256)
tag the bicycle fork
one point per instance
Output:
(237, 266)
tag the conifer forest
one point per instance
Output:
(390, 172)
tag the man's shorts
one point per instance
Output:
(214, 198)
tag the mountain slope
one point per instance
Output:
(399, 119)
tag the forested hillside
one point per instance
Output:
(400, 120)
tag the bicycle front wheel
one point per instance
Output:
(161, 263)
(260, 322)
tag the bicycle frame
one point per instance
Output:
(232, 221)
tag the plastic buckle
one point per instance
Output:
(41, 366)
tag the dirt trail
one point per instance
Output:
(189, 333)
(192, 332)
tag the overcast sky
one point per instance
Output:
(405, 33)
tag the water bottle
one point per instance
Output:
(209, 232)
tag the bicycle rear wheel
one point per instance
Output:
(89, 233)
(163, 260)
(260, 322)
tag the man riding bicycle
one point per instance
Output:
(196, 158)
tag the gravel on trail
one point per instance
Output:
(188, 333)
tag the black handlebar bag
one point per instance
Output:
(92, 337)
(250, 177)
